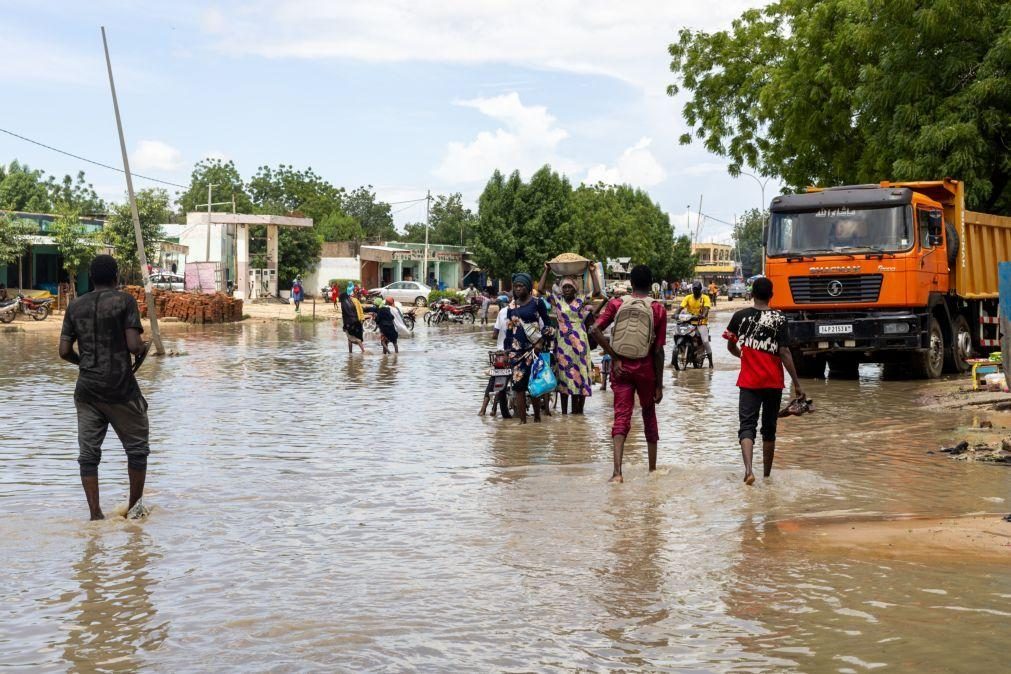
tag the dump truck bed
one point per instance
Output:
(984, 241)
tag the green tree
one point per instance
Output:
(834, 91)
(374, 216)
(287, 191)
(153, 209)
(337, 226)
(683, 260)
(15, 239)
(74, 242)
(620, 221)
(495, 242)
(23, 189)
(77, 194)
(227, 184)
(748, 240)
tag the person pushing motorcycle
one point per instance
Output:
(698, 305)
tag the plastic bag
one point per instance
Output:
(542, 379)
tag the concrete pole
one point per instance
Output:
(152, 313)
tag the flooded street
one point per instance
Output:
(319, 511)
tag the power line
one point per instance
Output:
(91, 161)
(407, 201)
(400, 210)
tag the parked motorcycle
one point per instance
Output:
(688, 344)
(38, 309)
(434, 313)
(410, 318)
(452, 313)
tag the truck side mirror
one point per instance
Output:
(935, 228)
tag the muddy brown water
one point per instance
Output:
(315, 511)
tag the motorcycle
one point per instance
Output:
(688, 344)
(455, 314)
(499, 390)
(410, 318)
(434, 313)
(37, 309)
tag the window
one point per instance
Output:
(923, 223)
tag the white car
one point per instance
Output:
(406, 292)
(168, 281)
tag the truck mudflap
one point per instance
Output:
(858, 332)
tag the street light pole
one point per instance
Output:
(761, 185)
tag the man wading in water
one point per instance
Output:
(757, 336)
(636, 349)
(105, 324)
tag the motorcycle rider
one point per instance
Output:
(698, 305)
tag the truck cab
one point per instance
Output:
(866, 274)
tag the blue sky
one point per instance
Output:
(402, 95)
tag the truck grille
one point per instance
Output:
(835, 289)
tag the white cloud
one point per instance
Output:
(528, 139)
(156, 155)
(623, 40)
(637, 166)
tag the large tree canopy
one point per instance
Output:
(154, 211)
(227, 185)
(25, 189)
(748, 240)
(841, 91)
(450, 223)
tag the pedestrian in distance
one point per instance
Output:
(351, 318)
(386, 321)
(105, 327)
(636, 344)
(757, 335)
(297, 294)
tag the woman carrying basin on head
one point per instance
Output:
(572, 353)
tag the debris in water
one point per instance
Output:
(960, 448)
(981, 452)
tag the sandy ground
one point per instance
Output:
(980, 537)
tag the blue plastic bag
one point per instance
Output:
(542, 379)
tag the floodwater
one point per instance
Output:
(315, 511)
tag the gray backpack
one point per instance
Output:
(633, 327)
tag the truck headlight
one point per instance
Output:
(896, 328)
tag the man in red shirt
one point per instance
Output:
(640, 332)
(757, 335)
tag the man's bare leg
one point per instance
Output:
(747, 449)
(768, 453)
(651, 452)
(565, 404)
(521, 406)
(90, 485)
(137, 478)
(619, 450)
(484, 405)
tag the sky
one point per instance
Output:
(401, 95)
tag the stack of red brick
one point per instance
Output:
(190, 307)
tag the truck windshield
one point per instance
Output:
(841, 230)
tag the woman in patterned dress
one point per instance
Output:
(527, 318)
(573, 365)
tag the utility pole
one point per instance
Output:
(424, 270)
(207, 254)
(698, 224)
(152, 313)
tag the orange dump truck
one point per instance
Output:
(894, 273)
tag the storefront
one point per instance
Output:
(397, 261)
(41, 267)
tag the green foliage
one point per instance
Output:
(15, 238)
(835, 91)
(336, 226)
(153, 209)
(343, 283)
(299, 251)
(24, 189)
(683, 260)
(450, 223)
(748, 240)
(450, 293)
(29, 190)
(375, 217)
(227, 184)
(520, 225)
(75, 244)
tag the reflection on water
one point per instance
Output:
(315, 510)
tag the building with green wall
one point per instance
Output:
(41, 267)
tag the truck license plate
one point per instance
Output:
(835, 329)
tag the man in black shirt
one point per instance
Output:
(105, 324)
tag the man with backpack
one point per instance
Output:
(635, 346)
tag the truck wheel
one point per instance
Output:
(958, 353)
(844, 367)
(809, 367)
(930, 363)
